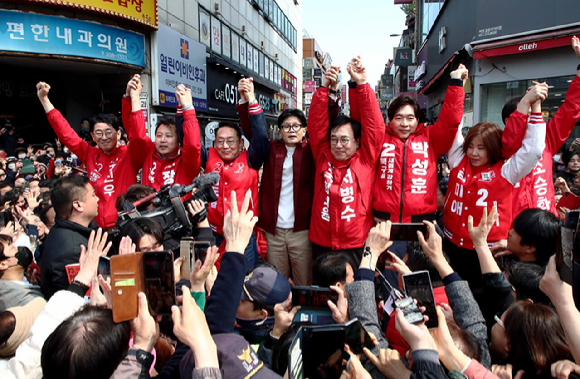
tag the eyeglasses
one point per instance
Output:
(344, 141)
(499, 321)
(229, 141)
(108, 133)
(294, 127)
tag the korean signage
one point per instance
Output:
(223, 94)
(41, 34)
(387, 94)
(403, 56)
(386, 80)
(309, 86)
(176, 60)
(143, 11)
(411, 78)
(288, 82)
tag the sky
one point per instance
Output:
(346, 28)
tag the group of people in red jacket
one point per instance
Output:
(328, 180)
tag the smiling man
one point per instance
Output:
(166, 163)
(111, 169)
(238, 168)
(406, 177)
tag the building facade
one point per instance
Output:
(88, 49)
(503, 53)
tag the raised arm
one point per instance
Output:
(561, 125)
(524, 160)
(318, 117)
(515, 129)
(456, 154)
(373, 125)
(243, 106)
(259, 140)
(191, 137)
(62, 128)
(139, 142)
(443, 132)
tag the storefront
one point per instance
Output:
(87, 61)
(223, 96)
(511, 66)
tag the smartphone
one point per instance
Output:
(565, 254)
(104, 267)
(159, 281)
(185, 250)
(322, 350)
(571, 220)
(418, 286)
(200, 249)
(313, 297)
(407, 232)
(356, 337)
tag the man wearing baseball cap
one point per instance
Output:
(263, 288)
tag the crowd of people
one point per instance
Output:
(321, 207)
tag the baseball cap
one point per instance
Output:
(266, 287)
(236, 358)
(25, 316)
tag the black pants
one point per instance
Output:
(465, 263)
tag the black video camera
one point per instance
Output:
(170, 207)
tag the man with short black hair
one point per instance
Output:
(110, 168)
(533, 236)
(333, 269)
(238, 168)
(76, 205)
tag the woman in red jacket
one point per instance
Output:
(165, 163)
(345, 153)
(480, 179)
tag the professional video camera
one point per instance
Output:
(171, 207)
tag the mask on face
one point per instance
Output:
(65, 150)
(21, 156)
(85, 129)
(12, 166)
(558, 159)
(24, 256)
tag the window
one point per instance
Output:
(495, 95)
(279, 21)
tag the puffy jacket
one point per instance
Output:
(406, 176)
(62, 247)
(110, 175)
(536, 190)
(158, 171)
(341, 210)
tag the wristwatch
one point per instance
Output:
(143, 357)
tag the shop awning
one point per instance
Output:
(525, 44)
(437, 75)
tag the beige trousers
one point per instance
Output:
(291, 253)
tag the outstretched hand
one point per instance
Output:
(239, 224)
(183, 94)
(576, 46)
(42, 90)
(479, 234)
(357, 70)
(89, 260)
(460, 73)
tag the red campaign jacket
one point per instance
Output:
(303, 169)
(341, 210)
(181, 169)
(234, 176)
(536, 190)
(110, 175)
(406, 176)
(473, 188)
